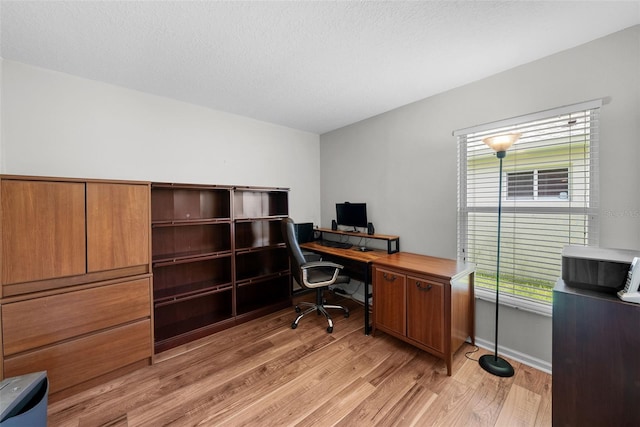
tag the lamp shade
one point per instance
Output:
(502, 142)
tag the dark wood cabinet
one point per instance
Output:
(596, 374)
(218, 258)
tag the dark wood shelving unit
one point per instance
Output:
(218, 258)
(262, 275)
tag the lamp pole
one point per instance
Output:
(493, 363)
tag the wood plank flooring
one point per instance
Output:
(263, 373)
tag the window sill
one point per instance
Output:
(518, 303)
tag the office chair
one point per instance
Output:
(316, 275)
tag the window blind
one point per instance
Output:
(550, 198)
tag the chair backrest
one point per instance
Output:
(295, 253)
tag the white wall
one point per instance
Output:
(403, 163)
(54, 124)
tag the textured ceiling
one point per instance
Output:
(314, 66)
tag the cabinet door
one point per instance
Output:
(389, 304)
(425, 312)
(117, 225)
(43, 230)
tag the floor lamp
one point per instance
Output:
(492, 363)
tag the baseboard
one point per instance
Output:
(516, 355)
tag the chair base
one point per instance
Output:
(320, 307)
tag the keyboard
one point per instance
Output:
(332, 244)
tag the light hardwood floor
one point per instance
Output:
(263, 373)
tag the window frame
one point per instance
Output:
(556, 204)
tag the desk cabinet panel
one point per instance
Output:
(419, 299)
(390, 292)
(425, 312)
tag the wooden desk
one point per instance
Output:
(425, 301)
(357, 264)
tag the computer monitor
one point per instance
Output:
(351, 214)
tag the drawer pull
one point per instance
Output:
(389, 277)
(420, 286)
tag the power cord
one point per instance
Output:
(475, 349)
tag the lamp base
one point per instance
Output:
(496, 365)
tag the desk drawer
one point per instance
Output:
(42, 321)
(76, 361)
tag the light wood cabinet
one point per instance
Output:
(75, 290)
(60, 232)
(425, 301)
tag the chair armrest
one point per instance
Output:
(321, 264)
(307, 267)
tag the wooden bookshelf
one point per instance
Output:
(218, 258)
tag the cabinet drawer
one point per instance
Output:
(76, 361)
(41, 321)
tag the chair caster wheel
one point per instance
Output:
(330, 329)
(294, 325)
(298, 309)
(346, 315)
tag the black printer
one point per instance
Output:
(598, 269)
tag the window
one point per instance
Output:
(549, 200)
(538, 184)
(553, 183)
